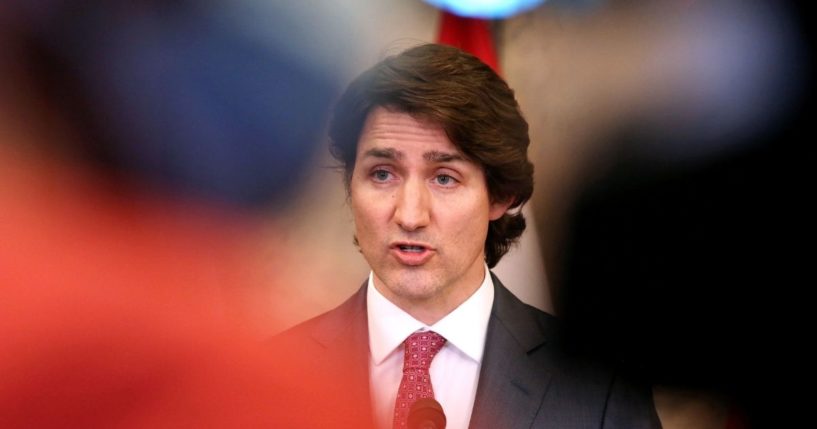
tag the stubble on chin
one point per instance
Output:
(411, 284)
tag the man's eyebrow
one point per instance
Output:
(384, 153)
(436, 156)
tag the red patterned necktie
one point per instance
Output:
(420, 349)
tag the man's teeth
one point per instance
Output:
(411, 248)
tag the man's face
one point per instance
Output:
(421, 213)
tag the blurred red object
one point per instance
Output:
(472, 35)
(124, 310)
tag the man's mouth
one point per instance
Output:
(412, 254)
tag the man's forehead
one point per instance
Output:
(391, 134)
(398, 155)
(383, 123)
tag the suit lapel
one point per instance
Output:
(344, 335)
(346, 326)
(511, 384)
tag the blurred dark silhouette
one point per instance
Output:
(691, 271)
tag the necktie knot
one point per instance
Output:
(420, 348)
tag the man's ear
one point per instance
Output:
(498, 208)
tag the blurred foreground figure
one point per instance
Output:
(683, 259)
(141, 146)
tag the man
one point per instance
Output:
(434, 153)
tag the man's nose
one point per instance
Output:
(412, 209)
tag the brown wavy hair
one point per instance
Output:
(475, 107)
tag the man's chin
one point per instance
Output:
(412, 287)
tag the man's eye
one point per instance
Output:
(445, 180)
(381, 175)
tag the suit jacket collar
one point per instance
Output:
(343, 333)
(345, 323)
(511, 385)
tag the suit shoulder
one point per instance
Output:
(302, 329)
(530, 325)
(326, 325)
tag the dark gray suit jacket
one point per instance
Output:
(525, 380)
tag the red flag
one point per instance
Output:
(472, 35)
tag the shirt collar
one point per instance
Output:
(464, 328)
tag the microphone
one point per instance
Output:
(426, 413)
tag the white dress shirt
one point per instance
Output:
(454, 370)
